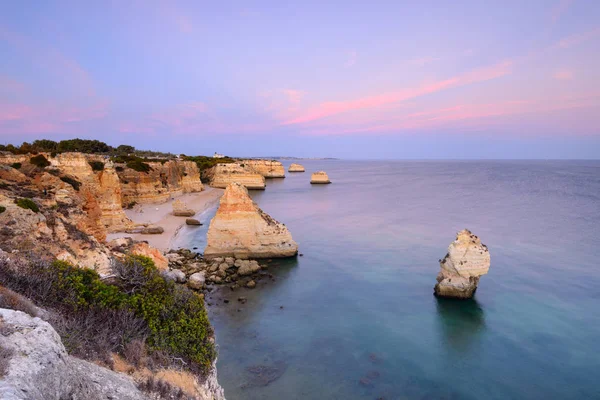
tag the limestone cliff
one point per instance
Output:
(241, 229)
(296, 168)
(266, 168)
(39, 367)
(162, 182)
(221, 175)
(467, 259)
(319, 177)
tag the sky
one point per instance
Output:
(350, 79)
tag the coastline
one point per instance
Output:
(162, 215)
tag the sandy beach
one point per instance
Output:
(161, 215)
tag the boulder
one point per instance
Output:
(180, 209)
(196, 281)
(192, 221)
(248, 268)
(144, 249)
(251, 285)
(241, 229)
(319, 177)
(174, 275)
(152, 230)
(467, 259)
(296, 168)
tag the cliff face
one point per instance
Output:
(266, 168)
(39, 367)
(162, 182)
(221, 175)
(467, 259)
(241, 229)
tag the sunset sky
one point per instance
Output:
(350, 79)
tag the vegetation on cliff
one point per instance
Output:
(16, 165)
(73, 182)
(39, 161)
(96, 165)
(137, 312)
(204, 162)
(27, 204)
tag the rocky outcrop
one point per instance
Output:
(180, 209)
(266, 168)
(296, 168)
(319, 177)
(162, 182)
(467, 259)
(221, 175)
(241, 229)
(39, 367)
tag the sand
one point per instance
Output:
(161, 215)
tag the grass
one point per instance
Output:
(14, 301)
(27, 204)
(39, 161)
(97, 318)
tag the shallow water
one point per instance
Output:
(359, 320)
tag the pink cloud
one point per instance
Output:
(563, 75)
(577, 38)
(328, 109)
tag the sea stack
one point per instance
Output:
(241, 229)
(296, 168)
(319, 177)
(467, 259)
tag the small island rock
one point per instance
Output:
(192, 221)
(296, 168)
(319, 177)
(467, 259)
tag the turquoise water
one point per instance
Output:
(359, 320)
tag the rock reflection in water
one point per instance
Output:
(461, 322)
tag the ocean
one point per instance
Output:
(355, 316)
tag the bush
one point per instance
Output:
(139, 165)
(204, 162)
(97, 165)
(2, 209)
(98, 318)
(39, 161)
(27, 204)
(73, 182)
(118, 168)
(16, 165)
(14, 301)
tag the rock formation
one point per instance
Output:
(266, 168)
(241, 229)
(319, 177)
(467, 259)
(180, 209)
(162, 182)
(296, 168)
(39, 367)
(222, 175)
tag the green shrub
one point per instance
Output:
(118, 168)
(2, 209)
(16, 165)
(204, 162)
(27, 204)
(174, 318)
(73, 182)
(39, 161)
(97, 165)
(139, 165)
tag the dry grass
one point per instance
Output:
(14, 301)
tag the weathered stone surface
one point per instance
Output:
(467, 259)
(266, 168)
(161, 183)
(241, 229)
(192, 221)
(152, 230)
(174, 275)
(319, 177)
(296, 168)
(180, 209)
(39, 367)
(222, 175)
(144, 249)
(196, 281)
(248, 268)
